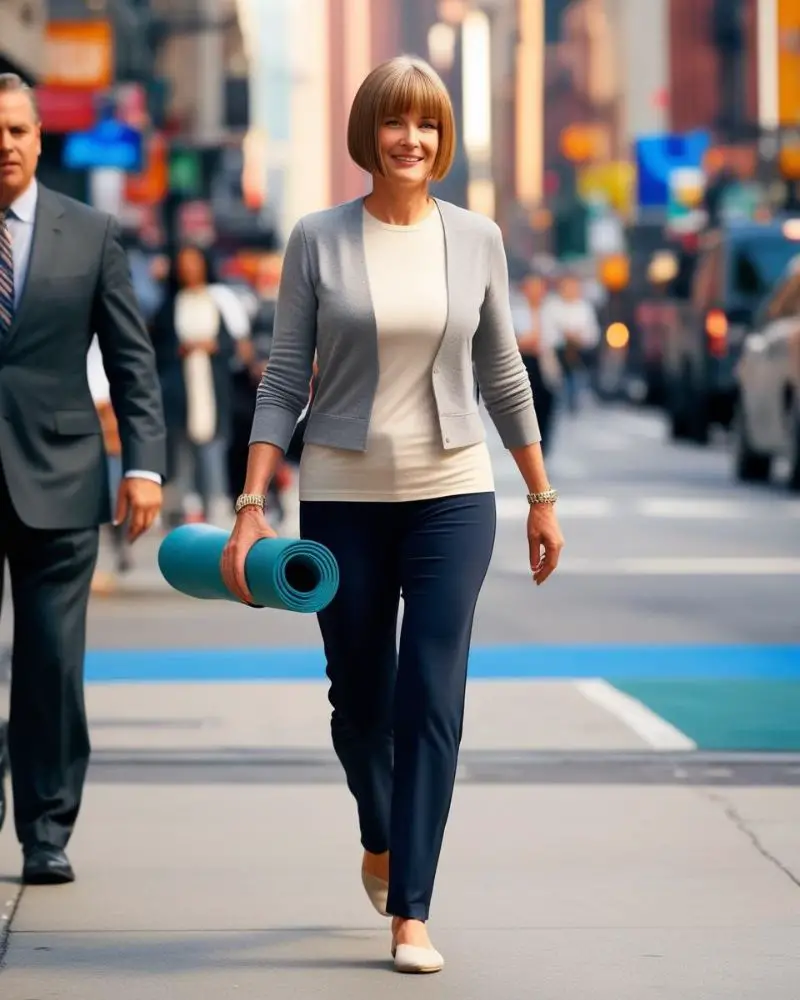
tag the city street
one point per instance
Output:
(625, 821)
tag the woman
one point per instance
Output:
(194, 346)
(538, 356)
(397, 294)
(569, 324)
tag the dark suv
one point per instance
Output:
(716, 295)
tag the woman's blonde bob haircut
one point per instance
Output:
(400, 86)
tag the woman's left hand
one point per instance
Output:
(544, 540)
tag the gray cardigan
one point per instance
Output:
(324, 306)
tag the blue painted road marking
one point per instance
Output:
(668, 662)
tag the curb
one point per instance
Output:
(9, 909)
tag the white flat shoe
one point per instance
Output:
(410, 958)
(378, 891)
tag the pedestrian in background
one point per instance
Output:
(539, 356)
(570, 326)
(64, 276)
(101, 395)
(195, 341)
(247, 373)
(397, 294)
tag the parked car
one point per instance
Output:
(736, 266)
(766, 423)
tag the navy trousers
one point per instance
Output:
(398, 713)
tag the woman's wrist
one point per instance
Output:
(530, 463)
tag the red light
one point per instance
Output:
(717, 331)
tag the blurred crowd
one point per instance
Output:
(212, 339)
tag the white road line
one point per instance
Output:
(515, 508)
(559, 467)
(655, 731)
(692, 508)
(669, 566)
(512, 507)
(650, 432)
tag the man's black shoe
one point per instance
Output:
(46, 865)
(3, 769)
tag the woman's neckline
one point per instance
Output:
(393, 226)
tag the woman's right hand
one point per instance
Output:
(251, 526)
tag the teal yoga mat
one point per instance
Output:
(286, 573)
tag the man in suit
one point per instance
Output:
(63, 277)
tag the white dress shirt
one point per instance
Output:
(20, 221)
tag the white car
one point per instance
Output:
(766, 423)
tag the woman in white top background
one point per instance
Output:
(397, 295)
(570, 326)
(196, 332)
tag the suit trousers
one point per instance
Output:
(48, 739)
(398, 713)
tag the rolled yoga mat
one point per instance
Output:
(285, 573)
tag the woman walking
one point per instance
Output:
(397, 295)
(194, 344)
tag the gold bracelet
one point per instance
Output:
(250, 500)
(546, 496)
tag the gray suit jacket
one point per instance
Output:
(51, 444)
(324, 306)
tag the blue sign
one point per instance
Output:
(657, 156)
(108, 144)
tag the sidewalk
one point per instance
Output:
(223, 884)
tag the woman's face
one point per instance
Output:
(534, 290)
(570, 289)
(191, 268)
(408, 146)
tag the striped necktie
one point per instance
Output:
(6, 276)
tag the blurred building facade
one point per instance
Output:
(243, 104)
(22, 25)
(713, 66)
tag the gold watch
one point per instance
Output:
(250, 500)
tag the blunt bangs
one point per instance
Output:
(403, 85)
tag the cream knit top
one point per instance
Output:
(404, 458)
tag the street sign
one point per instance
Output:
(657, 156)
(108, 144)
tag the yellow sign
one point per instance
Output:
(79, 54)
(613, 182)
(789, 63)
